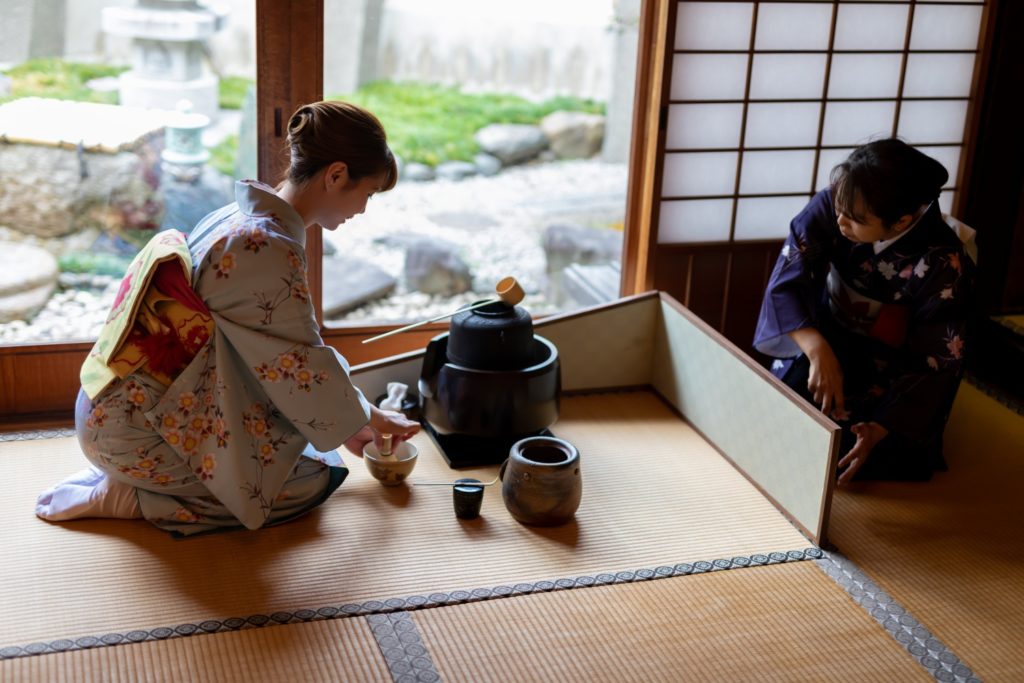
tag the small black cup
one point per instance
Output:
(467, 498)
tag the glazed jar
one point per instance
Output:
(541, 481)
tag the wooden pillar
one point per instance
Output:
(289, 73)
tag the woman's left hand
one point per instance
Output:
(868, 436)
(358, 441)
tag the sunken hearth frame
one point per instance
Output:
(784, 447)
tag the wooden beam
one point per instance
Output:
(648, 129)
(289, 73)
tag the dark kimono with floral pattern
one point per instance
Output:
(895, 314)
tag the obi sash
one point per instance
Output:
(886, 322)
(157, 322)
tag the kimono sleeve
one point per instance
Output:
(797, 283)
(917, 402)
(256, 288)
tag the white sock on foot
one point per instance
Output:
(89, 493)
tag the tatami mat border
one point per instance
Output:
(922, 645)
(413, 602)
(402, 646)
(37, 434)
(997, 393)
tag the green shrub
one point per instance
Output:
(56, 79)
(97, 263)
(232, 91)
(223, 154)
(432, 123)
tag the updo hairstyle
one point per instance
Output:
(891, 178)
(322, 133)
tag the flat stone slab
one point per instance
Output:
(349, 283)
(95, 127)
(28, 276)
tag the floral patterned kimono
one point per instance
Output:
(242, 434)
(894, 312)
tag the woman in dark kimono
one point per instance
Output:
(867, 307)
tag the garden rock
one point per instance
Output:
(50, 187)
(28, 276)
(435, 267)
(418, 172)
(187, 203)
(574, 134)
(511, 143)
(349, 283)
(565, 244)
(487, 165)
(455, 170)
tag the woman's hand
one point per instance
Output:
(868, 436)
(391, 422)
(825, 379)
(358, 441)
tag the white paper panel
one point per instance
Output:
(702, 220)
(767, 218)
(926, 121)
(770, 172)
(709, 77)
(766, 433)
(946, 201)
(714, 25)
(864, 76)
(782, 125)
(938, 75)
(692, 126)
(689, 175)
(871, 27)
(948, 157)
(854, 123)
(826, 162)
(787, 76)
(793, 26)
(946, 28)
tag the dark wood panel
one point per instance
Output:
(40, 380)
(994, 183)
(671, 268)
(747, 278)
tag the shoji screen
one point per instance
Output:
(766, 97)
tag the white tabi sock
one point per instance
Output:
(89, 493)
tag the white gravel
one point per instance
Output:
(498, 222)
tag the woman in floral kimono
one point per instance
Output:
(227, 405)
(867, 307)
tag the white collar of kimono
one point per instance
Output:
(258, 199)
(882, 245)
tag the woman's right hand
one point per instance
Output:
(391, 422)
(825, 379)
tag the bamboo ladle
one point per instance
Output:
(508, 290)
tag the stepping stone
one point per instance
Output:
(349, 283)
(28, 276)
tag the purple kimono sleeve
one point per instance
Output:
(797, 283)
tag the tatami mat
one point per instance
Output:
(775, 623)
(328, 651)
(951, 551)
(654, 493)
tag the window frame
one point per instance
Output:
(39, 382)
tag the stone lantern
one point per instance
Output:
(167, 53)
